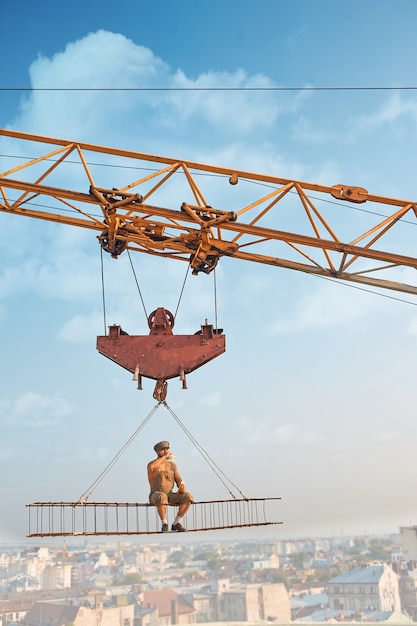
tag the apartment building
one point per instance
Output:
(14, 610)
(408, 536)
(220, 602)
(365, 588)
(408, 588)
(78, 612)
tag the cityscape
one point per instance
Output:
(183, 580)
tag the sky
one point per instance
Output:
(314, 400)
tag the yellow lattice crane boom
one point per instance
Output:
(157, 205)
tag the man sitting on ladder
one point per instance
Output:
(163, 474)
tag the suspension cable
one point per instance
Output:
(182, 290)
(102, 291)
(215, 299)
(216, 469)
(137, 284)
(84, 497)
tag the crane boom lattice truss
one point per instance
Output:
(156, 205)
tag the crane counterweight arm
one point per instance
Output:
(253, 217)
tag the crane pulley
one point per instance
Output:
(133, 214)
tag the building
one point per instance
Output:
(220, 602)
(71, 613)
(15, 610)
(56, 577)
(365, 588)
(226, 602)
(408, 537)
(253, 603)
(172, 607)
(408, 588)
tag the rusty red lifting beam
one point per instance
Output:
(161, 355)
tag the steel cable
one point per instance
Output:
(212, 464)
(84, 497)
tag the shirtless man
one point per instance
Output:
(163, 474)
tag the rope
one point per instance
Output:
(137, 284)
(216, 469)
(84, 497)
(102, 291)
(182, 290)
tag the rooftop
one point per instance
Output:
(362, 574)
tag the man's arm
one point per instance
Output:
(156, 463)
(153, 467)
(179, 481)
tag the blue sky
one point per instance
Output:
(314, 399)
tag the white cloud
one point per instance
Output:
(109, 60)
(81, 328)
(50, 264)
(100, 59)
(390, 436)
(252, 432)
(285, 434)
(394, 109)
(324, 308)
(36, 405)
(297, 436)
(412, 326)
(101, 453)
(306, 130)
(34, 410)
(236, 111)
(212, 400)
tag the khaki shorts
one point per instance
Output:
(174, 499)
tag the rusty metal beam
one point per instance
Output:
(64, 519)
(161, 355)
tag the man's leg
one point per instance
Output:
(160, 500)
(182, 509)
(162, 512)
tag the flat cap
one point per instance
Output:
(161, 445)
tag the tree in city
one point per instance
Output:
(297, 559)
(213, 560)
(128, 579)
(279, 577)
(178, 558)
